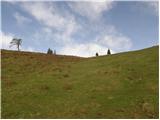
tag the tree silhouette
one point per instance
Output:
(49, 51)
(17, 42)
(96, 54)
(108, 52)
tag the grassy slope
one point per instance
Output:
(123, 85)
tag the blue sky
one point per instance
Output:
(80, 28)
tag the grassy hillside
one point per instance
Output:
(122, 85)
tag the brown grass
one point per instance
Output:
(67, 86)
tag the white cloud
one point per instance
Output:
(84, 50)
(92, 10)
(154, 5)
(149, 7)
(59, 26)
(44, 13)
(21, 19)
(116, 42)
(5, 40)
(63, 24)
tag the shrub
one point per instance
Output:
(108, 52)
(66, 75)
(49, 51)
(96, 54)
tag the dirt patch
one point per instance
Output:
(9, 83)
(65, 75)
(67, 86)
(44, 87)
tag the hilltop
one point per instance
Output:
(36, 85)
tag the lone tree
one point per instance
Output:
(49, 51)
(17, 42)
(108, 52)
(96, 54)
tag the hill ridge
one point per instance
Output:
(27, 52)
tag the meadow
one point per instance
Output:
(38, 85)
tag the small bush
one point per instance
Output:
(96, 54)
(49, 51)
(65, 75)
(44, 87)
(108, 52)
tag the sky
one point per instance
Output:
(80, 28)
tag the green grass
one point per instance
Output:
(123, 85)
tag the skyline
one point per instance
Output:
(81, 28)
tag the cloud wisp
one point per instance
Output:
(154, 5)
(21, 20)
(91, 10)
(62, 26)
(6, 39)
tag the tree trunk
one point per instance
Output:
(18, 47)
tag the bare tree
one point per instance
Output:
(17, 42)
